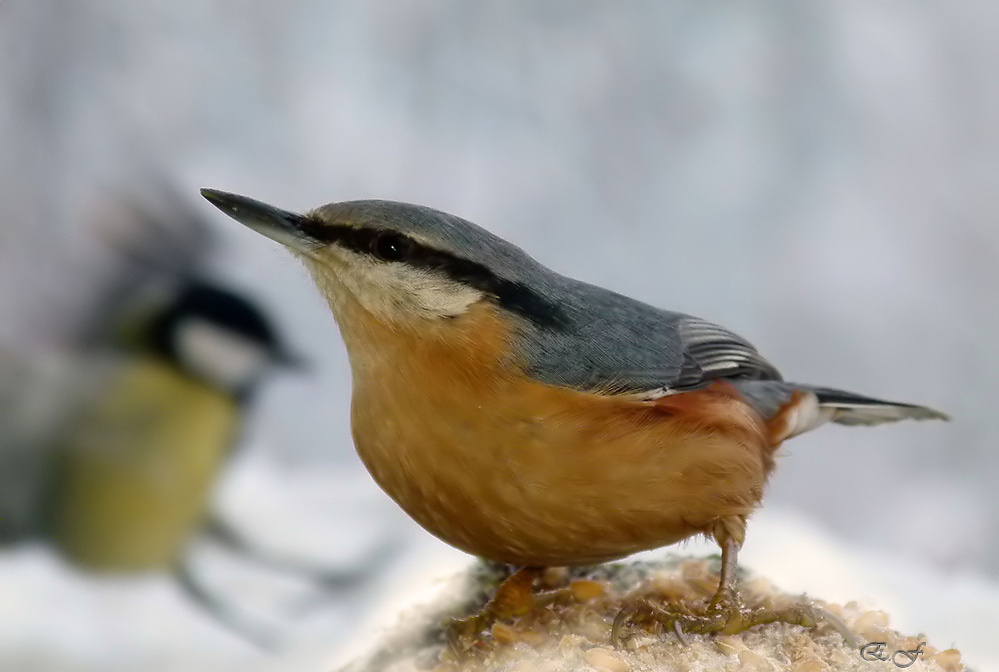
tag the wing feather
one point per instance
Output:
(711, 352)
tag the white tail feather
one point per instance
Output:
(875, 414)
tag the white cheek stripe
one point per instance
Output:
(398, 292)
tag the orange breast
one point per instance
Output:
(522, 472)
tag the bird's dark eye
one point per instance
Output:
(390, 246)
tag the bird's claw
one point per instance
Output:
(725, 614)
(462, 634)
(513, 598)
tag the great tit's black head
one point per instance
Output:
(219, 336)
(402, 261)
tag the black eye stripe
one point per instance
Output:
(513, 296)
(390, 246)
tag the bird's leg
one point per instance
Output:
(327, 580)
(514, 597)
(220, 609)
(725, 613)
(725, 598)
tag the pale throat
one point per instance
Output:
(397, 338)
(392, 292)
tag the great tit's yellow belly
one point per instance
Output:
(518, 471)
(135, 471)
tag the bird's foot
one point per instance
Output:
(513, 598)
(461, 635)
(725, 614)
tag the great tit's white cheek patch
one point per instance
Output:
(218, 355)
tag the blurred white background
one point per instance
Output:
(820, 177)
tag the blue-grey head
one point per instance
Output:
(403, 262)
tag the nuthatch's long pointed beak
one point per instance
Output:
(288, 228)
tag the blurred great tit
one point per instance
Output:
(110, 446)
(135, 468)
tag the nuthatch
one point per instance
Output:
(536, 420)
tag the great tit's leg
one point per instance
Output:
(514, 597)
(327, 579)
(220, 609)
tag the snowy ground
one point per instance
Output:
(54, 619)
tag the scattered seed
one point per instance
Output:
(585, 590)
(606, 660)
(949, 660)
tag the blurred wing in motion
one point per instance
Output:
(158, 243)
(39, 393)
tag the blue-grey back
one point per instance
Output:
(586, 336)
(616, 342)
